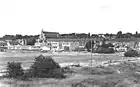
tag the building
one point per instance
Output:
(63, 45)
(44, 35)
(56, 43)
(3, 46)
(66, 43)
(22, 41)
(50, 39)
(42, 40)
(123, 43)
(55, 46)
(59, 44)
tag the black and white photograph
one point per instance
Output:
(69, 43)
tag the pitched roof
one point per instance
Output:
(50, 32)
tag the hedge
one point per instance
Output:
(131, 53)
(104, 50)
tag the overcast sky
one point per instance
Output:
(66, 16)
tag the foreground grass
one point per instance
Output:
(128, 76)
(85, 77)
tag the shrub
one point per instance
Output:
(131, 53)
(103, 71)
(107, 45)
(104, 50)
(79, 49)
(14, 70)
(45, 67)
(67, 69)
(66, 48)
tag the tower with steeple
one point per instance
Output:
(42, 36)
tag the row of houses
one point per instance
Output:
(44, 42)
(64, 45)
(56, 45)
(50, 45)
(122, 44)
(48, 41)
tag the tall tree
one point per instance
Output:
(18, 36)
(89, 45)
(128, 35)
(88, 35)
(31, 41)
(119, 34)
(136, 34)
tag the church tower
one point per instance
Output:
(42, 36)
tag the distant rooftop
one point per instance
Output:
(50, 32)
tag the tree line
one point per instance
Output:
(31, 39)
(127, 35)
(119, 34)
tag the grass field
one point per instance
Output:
(27, 59)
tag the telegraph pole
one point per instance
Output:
(91, 51)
